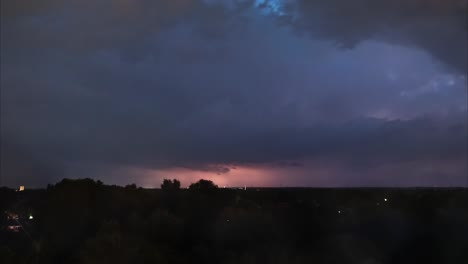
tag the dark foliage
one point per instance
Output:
(170, 185)
(82, 221)
(203, 185)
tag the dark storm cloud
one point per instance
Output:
(87, 85)
(129, 27)
(438, 26)
(83, 27)
(19, 166)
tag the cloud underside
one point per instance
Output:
(439, 27)
(214, 85)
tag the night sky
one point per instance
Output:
(258, 93)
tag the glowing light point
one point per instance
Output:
(339, 211)
(31, 217)
(385, 199)
(21, 188)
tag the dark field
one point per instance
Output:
(87, 222)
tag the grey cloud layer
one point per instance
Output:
(162, 84)
(438, 26)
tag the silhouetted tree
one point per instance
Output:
(80, 221)
(166, 185)
(170, 185)
(131, 186)
(203, 185)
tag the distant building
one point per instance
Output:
(12, 224)
(11, 215)
(13, 228)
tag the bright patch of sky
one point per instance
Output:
(270, 7)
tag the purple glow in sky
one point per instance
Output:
(257, 93)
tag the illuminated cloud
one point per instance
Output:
(439, 27)
(218, 89)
